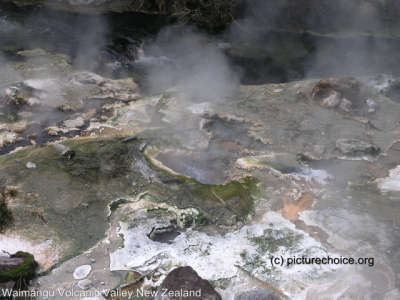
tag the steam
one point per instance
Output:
(90, 41)
(334, 38)
(357, 49)
(257, 21)
(192, 62)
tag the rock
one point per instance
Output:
(366, 175)
(74, 121)
(257, 294)
(17, 127)
(85, 78)
(185, 280)
(34, 52)
(85, 284)
(64, 150)
(7, 137)
(19, 94)
(355, 147)
(346, 105)
(348, 87)
(31, 165)
(125, 90)
(18, 268)
(52, 130)
(82, 271)
(332, 100)
(372, 106)
(9, 263)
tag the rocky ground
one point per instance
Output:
(110, 191)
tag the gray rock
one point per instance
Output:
(34, 52)
(348, 87)
(31, 165)
(85, 284)
(332, 100)
(257, 294)
(82, 271)
(346, 105)
(64, 150)
(372, 104)
(355, 147)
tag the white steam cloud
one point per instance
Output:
(192, 62)
(90, 41)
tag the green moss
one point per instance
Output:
(26, 271)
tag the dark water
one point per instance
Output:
(109, 44)
(91, 40)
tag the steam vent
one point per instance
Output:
(199, 150)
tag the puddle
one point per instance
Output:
(231, 130)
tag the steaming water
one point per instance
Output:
(199, 167)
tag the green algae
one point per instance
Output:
(193, 220)
(234, 196)
(273, 239)
(24, 272)
(118, 203)
(75, 195)
(222, 204)
(99, 173)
